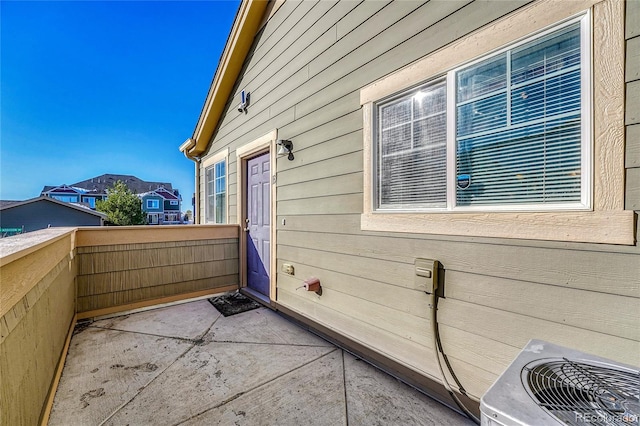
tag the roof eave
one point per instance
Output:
(54, 201)
(246, 25)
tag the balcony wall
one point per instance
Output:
(52, 277)
(36, 312)
(125, 267)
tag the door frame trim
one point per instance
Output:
(262, 145)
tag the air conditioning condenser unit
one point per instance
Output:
(548, 384)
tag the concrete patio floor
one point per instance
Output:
(187, 364)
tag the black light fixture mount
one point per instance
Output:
(286, 147)
(244, 102)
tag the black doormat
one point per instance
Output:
(234, 303)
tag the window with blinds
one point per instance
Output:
(216, 189)
(513, 125)
(413, 152)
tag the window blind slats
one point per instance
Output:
(556, 51)
(538, 161)
(478, 80)
(546, 98)
(517, 134)
(485, 114)
(412, 149)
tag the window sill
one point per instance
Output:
(605, 227)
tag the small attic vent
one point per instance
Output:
(584, 393)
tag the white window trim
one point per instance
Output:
(607, 221)
(450, 80)
(173, 202)
(211, 161)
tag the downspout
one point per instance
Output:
(196, 202)
(185, 148)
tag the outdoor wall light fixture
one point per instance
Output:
(286, 147)
(244, 102)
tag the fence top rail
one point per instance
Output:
(111, 235)
(18, 246)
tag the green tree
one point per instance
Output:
(122, 206)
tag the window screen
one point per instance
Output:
(216, 189)
(412, 149)
(220, 191)
(518, 125)
(515, 132)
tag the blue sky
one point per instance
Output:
(93, 87)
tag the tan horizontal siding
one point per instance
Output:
(632, 70)
(407, 352)
(313, 151)
(341, 130)
(301, 48)
(277, 36)
(632, 26)
(632, 158)
(378, 314)
(354, 33)
(305, 74)
(517, 330)
(344, 164)
(590, 310)
(300, 45)
(350, 183)
(633, 103)
(386, 271)
(632, 116)
(404, 299)
(602, 272)
(340, 204)
(632, 195)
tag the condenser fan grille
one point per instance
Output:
(584, 393)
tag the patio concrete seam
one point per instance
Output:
(215, 320)
(183, 339)
(269, 344)
(344, 384)
(145, 386)
(140, 390)
(258, 386)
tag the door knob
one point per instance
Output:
(246, 229)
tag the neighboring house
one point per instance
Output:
(165, 210)
(488, 136)
(136, 185)
(7, 231)
(44, 212)
(162, 206)
(153, 206)
(74, 194)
